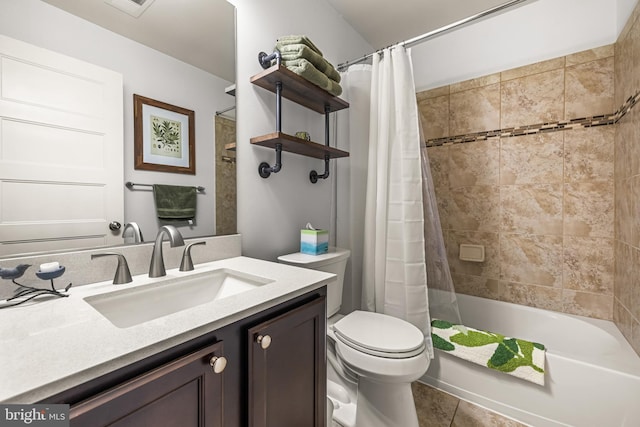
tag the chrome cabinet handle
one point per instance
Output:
(218, 363)
(264, 341)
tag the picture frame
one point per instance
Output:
(164, 137)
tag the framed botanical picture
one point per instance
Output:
(164, 136)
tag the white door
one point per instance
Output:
(61, 147)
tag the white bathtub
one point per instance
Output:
(592, 373)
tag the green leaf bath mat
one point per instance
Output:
(520, 358)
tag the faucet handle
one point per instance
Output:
(123, 275)
(187, 263)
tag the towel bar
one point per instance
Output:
(130, 185)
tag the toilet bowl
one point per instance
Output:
(373, 357)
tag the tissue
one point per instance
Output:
(314, 242)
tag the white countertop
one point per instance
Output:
(51, 346)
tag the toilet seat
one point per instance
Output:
(379, 335)
(382, 369)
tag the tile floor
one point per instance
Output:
(439, 409)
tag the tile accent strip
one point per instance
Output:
(584, 122)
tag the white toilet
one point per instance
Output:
(373, 358)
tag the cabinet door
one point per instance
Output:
(182, 393)
(287, 369)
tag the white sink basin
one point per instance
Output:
(130, 307)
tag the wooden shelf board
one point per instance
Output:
(297, 145)
(298, 89)
(230, 146)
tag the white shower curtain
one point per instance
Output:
(394, 272)
(351, 184)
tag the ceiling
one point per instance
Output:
(383, 23)
(201, 32)
(198, 32)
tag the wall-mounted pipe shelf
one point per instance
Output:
(293, 144)
(298, 89)
(285, 83)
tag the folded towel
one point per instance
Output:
(292, 52)
(175, 203)
(286, 40)
(305, 69)
(520, 358)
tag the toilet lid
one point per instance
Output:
(379, 334)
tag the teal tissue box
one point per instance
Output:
(314, 242)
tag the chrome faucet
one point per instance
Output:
(156, 269)
(137, 233)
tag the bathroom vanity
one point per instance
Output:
(255, 357)
(223, 378)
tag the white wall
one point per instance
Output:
(146, 72)
(624, 8)
(536, 31)
(272, 211)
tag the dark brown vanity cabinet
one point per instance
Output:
(185, 392)
(274, 375)
(287, 369)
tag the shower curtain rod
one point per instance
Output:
(438, 31)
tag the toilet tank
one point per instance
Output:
(334, 261)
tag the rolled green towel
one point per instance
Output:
(285, 40)
(513, 356)
(305, 69)
(174, 202)
(293, 52)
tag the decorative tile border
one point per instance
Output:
(585, 122)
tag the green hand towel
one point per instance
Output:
(305, 69)
(175, 203)
(285, 40)
(292, 52)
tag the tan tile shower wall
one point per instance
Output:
(225, 176)
(541, 204)
(626, 310)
